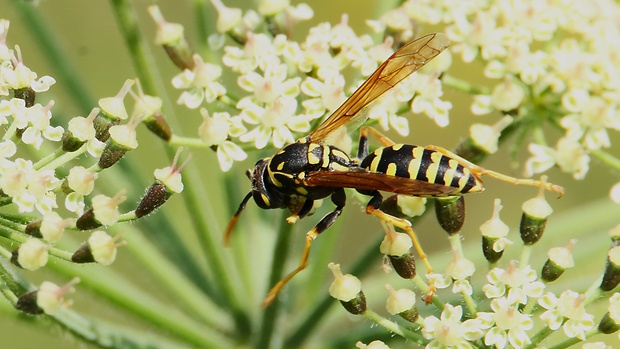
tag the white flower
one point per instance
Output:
(510, 325)
(216, 130)
(515, 284)
(202, 83)
(449, 331)
(567, 311)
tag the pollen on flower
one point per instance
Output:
(345, 287)
(106, 208)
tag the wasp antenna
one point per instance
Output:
(235, 217)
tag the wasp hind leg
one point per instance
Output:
(373, 208)
(480, 171)
(339, 199)
(362, 150)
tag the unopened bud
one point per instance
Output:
(610, 323)
(534, 218)
(560, 259)
(157, 124)
(611, 278)
(402, 302)
(450, 213)
(100, 248)
(494, 232)
(171, 37)
(348, 290)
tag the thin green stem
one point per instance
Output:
(60, 158)
(140, 303)
(526, 252)
(193, 142)
(20, 237)
(395, 328)
(607, 158)
(572, 341)
(280, 255)
(463, 85)
(539, 337)
(48, 158)
(175, 282)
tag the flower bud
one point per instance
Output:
(157, 124)
(100, 248)
(112, 112)
(156, 195)
(534, 218)
(494, 232)
(80, 131)
(610, 323)
(402, 302)
(34, 229)
(450, 213)
(348, 290)
(87, 221)
(171, 37)
(560, 259)
(611, 278)
(31, 255)
(48, 299)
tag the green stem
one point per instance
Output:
(137, 302)
(193, 142)
(607, 158)
(20, 237)
(60, 158)
(463, 85)
(539, 337)
(395, 328)
(280, 255)
(175, 282)
(572, 341)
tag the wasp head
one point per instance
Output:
(264, 192)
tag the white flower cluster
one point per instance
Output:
(554, 61)
(32, 187)
(286, 86)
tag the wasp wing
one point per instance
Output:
(401, 64)
(359, 178)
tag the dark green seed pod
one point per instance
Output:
(608, 325)
(611, 278)
(356, 305)
(450, 213)
(28, 303)
(487, 249)
(531, 229)
(551, 271)
(83, 255)
(156, 195)
(87, 221)
(159, 126)
(404, 265)
(34, 229)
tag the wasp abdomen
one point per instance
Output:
(423, 164)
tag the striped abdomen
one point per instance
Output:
(422, 164)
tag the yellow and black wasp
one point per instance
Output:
(309, 169)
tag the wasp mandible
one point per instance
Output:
(309, 169)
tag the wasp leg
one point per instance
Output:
(339, 199)
(301, 213)
(362, 150)
(373, 208)
(235, 217)
(479, 171)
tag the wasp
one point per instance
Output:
(311, 169)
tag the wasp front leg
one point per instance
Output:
(339, 199)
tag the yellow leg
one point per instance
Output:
(479, 171)
(271, 296)
(385, 141)
(390, 222)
